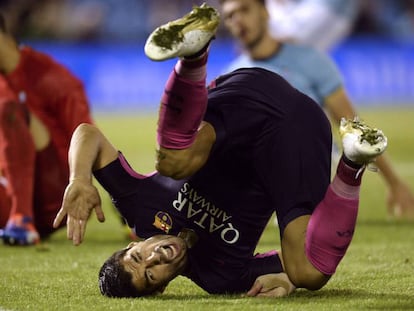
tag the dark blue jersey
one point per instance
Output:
(272, 154)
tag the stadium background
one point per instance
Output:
(102, 42)
(117, 78)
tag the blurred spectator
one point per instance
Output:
(319, 23)
(89, 20)
(323, 23)
(51, 19)
(77, 20)
(13, 11)
(391, 18)
(162, 11)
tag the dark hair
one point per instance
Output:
(114, 281)
(2, 23)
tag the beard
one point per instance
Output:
(252, 44)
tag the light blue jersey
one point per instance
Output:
(308, 70)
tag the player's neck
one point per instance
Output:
(189, 236)
(264, 49)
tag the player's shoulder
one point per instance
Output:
(36, 57)
(299, 49)
(44, 63)
(241, 61)
(305, 55)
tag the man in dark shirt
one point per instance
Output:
(228, 158)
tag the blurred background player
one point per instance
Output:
(41, 103)
(310, 71)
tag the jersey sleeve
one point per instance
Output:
(72, 107)
(323, 72)
(66, 97)
(265, 263)
(53, 90)
(257, 266)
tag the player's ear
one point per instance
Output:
(131, 244)
(160, 290)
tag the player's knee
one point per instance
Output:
(306, 276)
(174, 163)
(8, 111)
(171, 169)
(163, 169)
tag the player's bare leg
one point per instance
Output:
(327, 233)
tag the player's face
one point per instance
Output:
(156, 261)
(247, 20)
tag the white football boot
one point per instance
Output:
(185, 36)
(361, 143)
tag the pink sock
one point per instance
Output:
(183, 104)
(332, 224)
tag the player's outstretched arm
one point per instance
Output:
(89, 150)
(400, 200)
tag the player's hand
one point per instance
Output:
(271, 285)
(401, 202)
(80, 198)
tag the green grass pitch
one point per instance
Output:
(376, 274)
